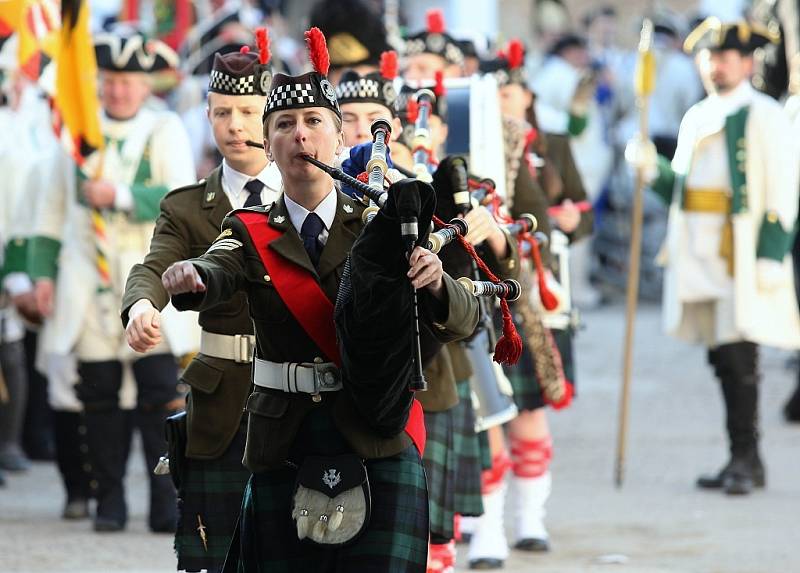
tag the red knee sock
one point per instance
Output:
(531, 458)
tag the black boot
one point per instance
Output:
(72, 456)
(716, 481)
(163, 498)
(109, 436)
(12, 412)
(38, 435)
(745, 471)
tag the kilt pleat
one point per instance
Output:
(212, 490)
(440, 468)
(467, 449)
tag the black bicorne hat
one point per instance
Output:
(354, 31)
(243, 72)
(712, 34)
(312, 89)
(126, 49)
(509, 65)
(376, 87)
(434, 40)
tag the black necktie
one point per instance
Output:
(254, 187)
(310, 232)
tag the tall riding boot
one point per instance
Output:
(12, 413)
(72, 457)
(745, 470)
(791, 410)
(38, 437)
(163, 498)
(715, 481)
(109, 436)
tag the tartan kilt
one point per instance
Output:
(440, 469)
(468, 455)
(395, 541)
(212, 489)
(522, 375)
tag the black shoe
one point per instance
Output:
(745, 472)
(533, 545)
(718, 481)
(76, 509)
(791, 411)
(738, 484)
(108, 525)
(713, 481)
(486, 564)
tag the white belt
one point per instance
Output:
(236, 347)
(306, 377)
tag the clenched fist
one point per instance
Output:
(182, 277)
(143, 332)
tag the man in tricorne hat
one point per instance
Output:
(733, 190)
(432, 50)
(218, 377)
(96, 222)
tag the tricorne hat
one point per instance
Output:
(126, 49)
(712, 34)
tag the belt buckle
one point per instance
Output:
(242, 349)
(326, 377)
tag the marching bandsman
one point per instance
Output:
(432, 50)
(218, 377)
(95, 223)
(313, 425)
(733, 193)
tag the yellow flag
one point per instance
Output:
(646, 63)
(36, 24)
(75, 100)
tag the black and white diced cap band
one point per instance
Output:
(288, 95)
(222, 82)
(363, 88)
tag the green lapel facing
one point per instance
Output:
(215, 202)
(341, 235)
(288, 245)
(736, 143)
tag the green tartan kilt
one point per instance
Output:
(440, 468)
(213, 490)
(522, 375)
(468, 455)
(395, 541)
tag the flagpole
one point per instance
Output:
(645, 79)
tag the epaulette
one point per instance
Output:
(190, 187)
(255, 209)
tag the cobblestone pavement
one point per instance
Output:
(656, 523)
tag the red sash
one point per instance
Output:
(310, 306)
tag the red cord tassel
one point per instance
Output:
(549, 300)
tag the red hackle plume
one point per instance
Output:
(318, 50)
(412, 110)
(389, 65)
(515, 54)
(435, 20)
(438, 89)
(262, 41)
(549, 300)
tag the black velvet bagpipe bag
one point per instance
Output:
(374, 311)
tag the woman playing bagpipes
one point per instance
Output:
(334, 433)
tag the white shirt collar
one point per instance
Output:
(236, 180)
(326, 210)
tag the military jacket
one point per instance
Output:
(189, 222)
(232, 265)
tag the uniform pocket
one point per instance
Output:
(268, 440)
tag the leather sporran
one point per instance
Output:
(332, 501)
(176, 434)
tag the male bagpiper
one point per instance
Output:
(733, 189)
(97, 221)
(212, 480)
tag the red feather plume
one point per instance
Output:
(262, 41)
(244, 50)
(389, 65)
(438, 89)
(515, 54)
(412, 110)
(318, 50)
(435, 20)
